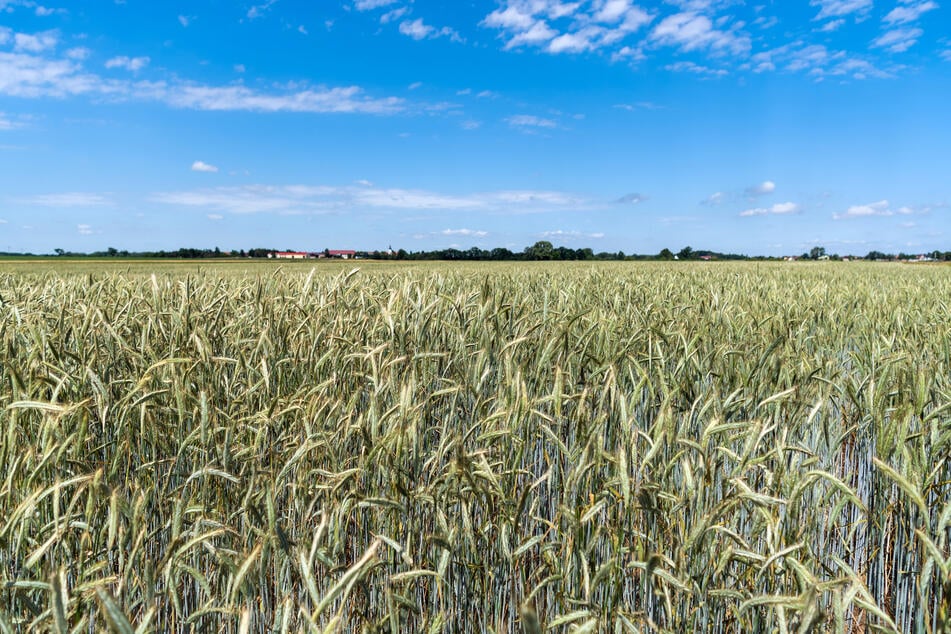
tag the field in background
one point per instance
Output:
(434, 448)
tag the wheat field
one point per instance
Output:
(516, 448)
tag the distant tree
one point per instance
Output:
(686, 254)
(666, 254)
(401, 254)
(58, 251)
(816, 252)
(541, 250)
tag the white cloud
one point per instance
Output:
(416, 29)
(36, 43)
(910, 12)
(69, 199)
(215, 217)
(185, 20)
(764, 188)
(470, 233)
(132, 64)
(629, 53)
(5, 34)
(898, 40)
(239, 68)
(583, 40)
(880, 208)
(693, 31)
(838, 8)
(530, 121)
(84, 230)
(471, 124)
(308, 199)
(201, 166)
(538, 33)
(777, 209)
(716, 198)
(78, 53)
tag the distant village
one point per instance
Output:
(337, 254)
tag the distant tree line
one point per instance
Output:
(544, 250)
(540, 251)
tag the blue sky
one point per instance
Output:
(759, 127)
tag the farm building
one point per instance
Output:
(343, 255)
(291, 255)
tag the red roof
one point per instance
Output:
(332, 252)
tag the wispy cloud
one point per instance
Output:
(369, 5)
(419, 30)
(469, 233)
(530, 121)
(640, 105)
(910, 11)
(567, 27)
(6, 123)
(817, 61)
(698, 69)
(320, 199)
(898, 40)
(879, 208)
(839, 8)
(392, 16)
(68, 199)
(570, 235)
(34, 76)
(259, 10)
(692, 31)
(631, 199)
(132, 64)
(762, 189)
(777, 209)
(35, 43)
